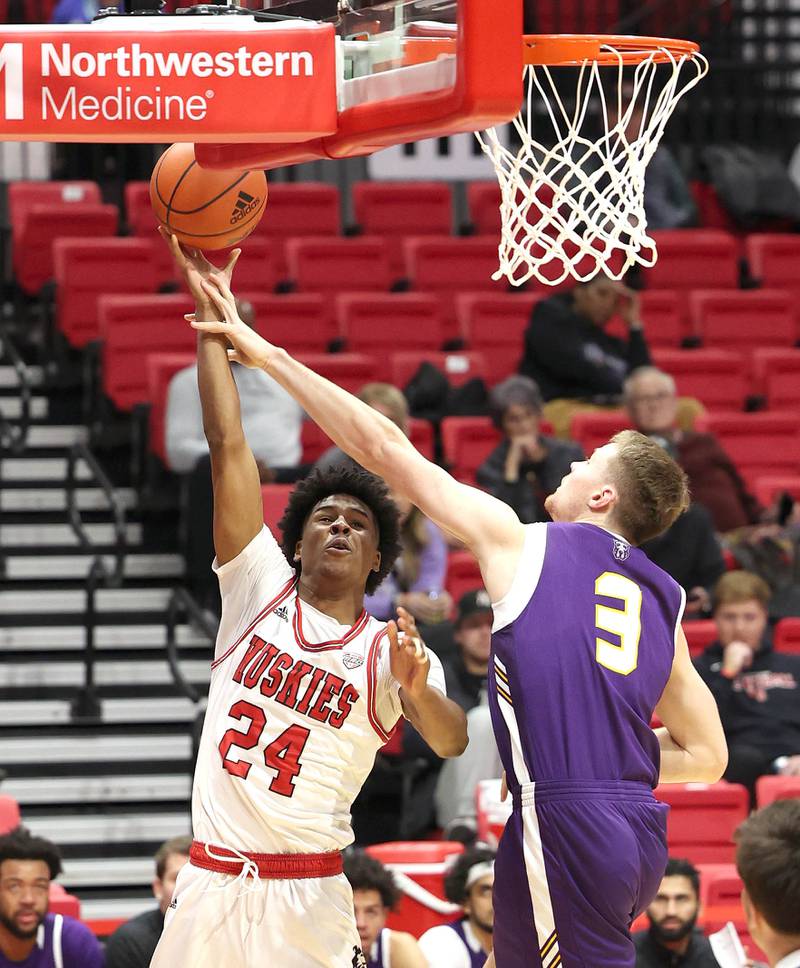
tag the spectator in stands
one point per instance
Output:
(74, 12)
(768, 860)
(417, 580)
(29, 935)
(374, 896)
(526, 467)
(466, 942)
(272, 422)
(757, 690)
(714, 481)
(465, 673)
(668, 202)
(132, 945)
(673, 940)
(690, 552)
(575, 363)
(384, 398)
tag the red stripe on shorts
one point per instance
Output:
(278, 867)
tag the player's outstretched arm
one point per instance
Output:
(489, 528)
(692, 741)
(238, 510)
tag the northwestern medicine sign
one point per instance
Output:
(166, 79)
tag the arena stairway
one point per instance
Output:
(108, 790)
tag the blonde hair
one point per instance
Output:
(653, 491)
(387, 396)
(736, 587)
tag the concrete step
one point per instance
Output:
(11, 408)
(48, 712)
(104, 872)
(56, 637)
(70, 567)
(73, 601)
(40, 469)
(63, 535)
(142, 788)
(55, 499)
(98, 828)
(8, 376)
(115, 908)
(56, 435)
(95, 746)
(107, 673)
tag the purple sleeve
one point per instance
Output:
(432, 562)
(380, 604)
(80, 947)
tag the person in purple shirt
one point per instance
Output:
(30, 937)
(586, 647)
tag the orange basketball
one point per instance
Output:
(205, 209)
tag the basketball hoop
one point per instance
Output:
(572, 203)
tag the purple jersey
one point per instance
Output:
(582, 651)
(380, 954)
(62, 942)
(477, 959)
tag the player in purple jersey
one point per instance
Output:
(587, 645)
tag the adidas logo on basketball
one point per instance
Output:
(244, 206)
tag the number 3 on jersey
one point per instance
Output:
(625, 623)
(282, 755)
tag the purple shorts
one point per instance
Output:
(578, 861)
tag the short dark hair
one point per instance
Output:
(177, 845)
(455, 880)
(678, 867)
(768, 860)
(367, 873)
(514, 390)
(21, 844)
(653, 489)
(359, 484)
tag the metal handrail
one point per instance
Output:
(14, 435)
(182, 600)
(86, 704)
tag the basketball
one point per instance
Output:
(205, 209)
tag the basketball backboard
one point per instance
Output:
(406, 70)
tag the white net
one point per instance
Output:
(572, 203)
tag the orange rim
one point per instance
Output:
(608, 50)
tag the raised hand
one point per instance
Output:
(248, 348)
(408, 659)
(195, 267)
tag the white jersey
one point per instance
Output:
(298, 707)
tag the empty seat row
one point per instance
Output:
(786, 638)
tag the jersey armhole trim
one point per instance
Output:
(679, 619)
(526, 578)
(372, 684)
(285, 591)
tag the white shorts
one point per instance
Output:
(219, 921)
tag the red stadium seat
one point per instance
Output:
(43, 224)
(458, 366)
(63, 903)
(274, 498)
(467, 442)
(315, 442)
(422, 904)
(594, 428)
(662, 312)
(735, 320)
(719, 884)
(699, 635)
(331, 265)
(381, 324)
(703, 818)
(301, 208)
(132, 328)
(694, 259)
(9, 814)
(770, 486)
(758, 443)
(420, 433)
(715, 377)
(450, 265)
(787, 636)
(495, 325)
(258, 268)
(142, 223)
(161, 368)
(23, 195)
(483, 199)
(348, 370)
(772, 788)
(463, 574)
(392, 210)
(86, 268)
(773, 259)
(777, 373)
(299, 322)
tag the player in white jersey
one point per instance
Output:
(305, 688)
